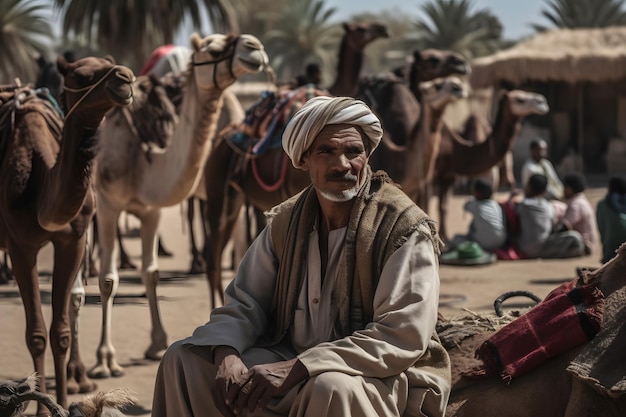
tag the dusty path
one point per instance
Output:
(184, 303)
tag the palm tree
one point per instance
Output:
(256, 16)
(583, 14)
(453, 25)
(23, 30)
(130, 30)
(302, 34)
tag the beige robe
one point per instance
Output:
(369, 365)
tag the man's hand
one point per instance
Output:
(232, 375)
(270, 380)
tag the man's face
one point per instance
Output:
(540, 152)
(336, 161)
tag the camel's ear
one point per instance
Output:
(346, 26)
(502, 92)
(110, 59)
(62, 65)
(196, 42)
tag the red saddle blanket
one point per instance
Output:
(569, 316)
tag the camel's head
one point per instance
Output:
(219, 60)
(360, 34)
(440, 92)
(93, 85)
(524, 103)
(429, 64)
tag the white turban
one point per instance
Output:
(318, 112)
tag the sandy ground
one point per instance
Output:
(184, 303)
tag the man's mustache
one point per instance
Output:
(342, 176)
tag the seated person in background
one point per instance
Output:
(332, 311)
(487, 227)
(579, 214)
(536, 238)
(611, 217)
(538, 163)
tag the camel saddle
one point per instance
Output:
(18, 100)
(154, 111)
(262, 130)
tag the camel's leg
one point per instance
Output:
(221, 215)
(162, 251)
(24, 263)
(125, 262)
(150, 278)
(77, 379)
(108, 282)
(197, 262)
(92, 238)
(445, 187)
(68, 255)
(507, 176)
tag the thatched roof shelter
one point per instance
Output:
(567, 55)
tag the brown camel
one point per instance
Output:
(350, 62)
(585, 381)
(128, 179)
(460, 157)
(46, 195)
(270, 178)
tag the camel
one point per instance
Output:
(350, 62)
(417, 126)
(46, 195)
(428, 64)
(460, 157)
(127, 179)
(587, 380)
(269, 179)
(357, 35)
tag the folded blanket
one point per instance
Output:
(569, 316)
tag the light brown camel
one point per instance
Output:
(459, 157)
(417, 126)
(46, 195)
(357, 35)
(128, 180)
(581, 382)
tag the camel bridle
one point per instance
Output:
(89, 88)
(231, 47)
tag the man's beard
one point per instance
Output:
(345, 195)
(341, 196)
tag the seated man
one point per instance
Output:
(333, 308)
(536, 222)
(579, 214)
(538, 163)
(487, 227)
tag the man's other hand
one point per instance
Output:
(232, 376)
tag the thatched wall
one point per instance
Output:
(568, 55)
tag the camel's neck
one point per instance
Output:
(348, 69)
(68, 182)
(423, 151)
(491, 151)
(173, 175)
